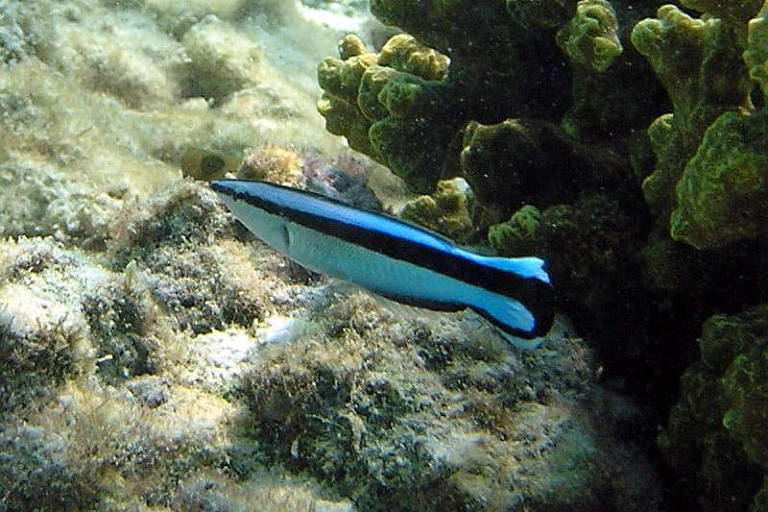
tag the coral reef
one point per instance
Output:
(722, 195)
(591, 37)
(502, 163)
(755, 54)
(114, 306)
(156, 357)
(85, 347)
(224, 367)
(478, 115)
(467, 426)
(700, 63)
(716, 432)
(32, 477)
(388, 105)
(447, 211)
(593, 227)
(619, 102)
(221, 61)
(14, 42)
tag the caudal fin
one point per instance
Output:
(522, 322)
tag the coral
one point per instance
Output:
(756, 55)
(518, 233)
(94, 362)
(36, 359)
(202, 286)
(479, 116)
(708, 180)
(121, 316)
(746, 384)
(273, 494)
(486, 43)
(33, 477)
(336, 408)
(43, 337)
(390, 105)
(604, 237)
(447, 211)
(183, 215)
(591, 228)
(699, 62)
(221, 61)
(736, 14)
(613, 91)
(591, 37)
(114, 62)
(403, 107)
(716, 431)
(722, 195)
(150, 391)
(273, 164)
(14, 42)
(156, 357)
(503, 164)
(46, 202)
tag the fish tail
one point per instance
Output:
(524, 315)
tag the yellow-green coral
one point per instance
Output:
(722, 195)
(756, 54)
(380, 103)
(734, 12)
(446, 211)
(591, 37)
(716, 431)
(518, 233)
(699, 62)
(746, 386)
(403, 53)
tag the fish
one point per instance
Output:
(396, 259)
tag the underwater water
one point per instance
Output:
(318, 255)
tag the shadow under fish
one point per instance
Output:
(394, 258)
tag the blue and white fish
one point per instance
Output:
(396, 259)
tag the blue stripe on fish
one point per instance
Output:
(393, 258)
